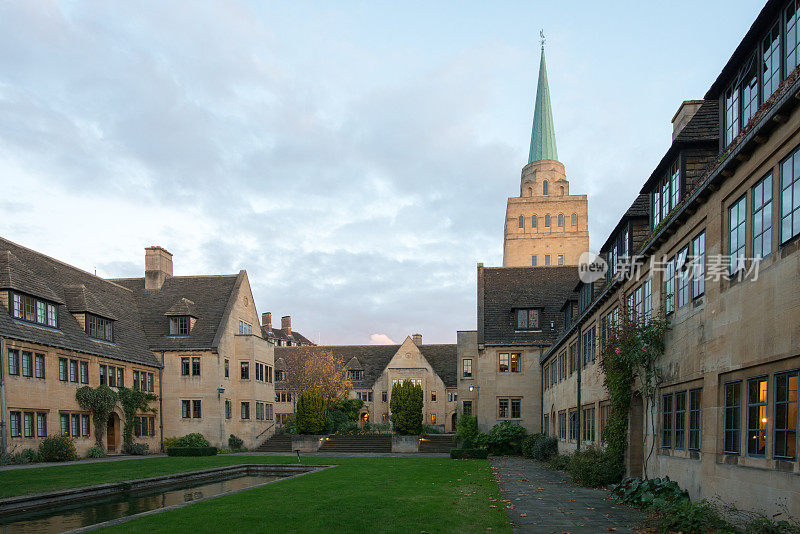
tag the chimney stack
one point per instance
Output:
(286, 323)
(157, 267)
(684, 114)
(417, 339)
(266, 320)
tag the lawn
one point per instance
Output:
(360, 495)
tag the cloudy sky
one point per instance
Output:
(354, 157)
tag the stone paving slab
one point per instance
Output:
(541, 500)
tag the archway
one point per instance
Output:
(364, 418)
(454, 419)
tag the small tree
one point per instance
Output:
(311, 413)
(133, 402)
(467, 429)
(100, 403)
(406, 407)
(306, 368)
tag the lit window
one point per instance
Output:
(757, 416)
(467, 367)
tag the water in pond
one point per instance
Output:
(98, 510)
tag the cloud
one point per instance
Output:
(381, 339)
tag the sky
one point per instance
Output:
(354, 158)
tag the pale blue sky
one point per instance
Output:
(354, 157)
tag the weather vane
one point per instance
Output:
(541, 34)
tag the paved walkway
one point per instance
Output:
(539, 499)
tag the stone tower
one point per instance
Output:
(545, 225)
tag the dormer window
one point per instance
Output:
(99, 328)
(666, 193)
(180, 325)
(356, 374)
(528, 319)
(34, 310)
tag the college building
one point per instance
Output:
(714, 237)
(194, 341)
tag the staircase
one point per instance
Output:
(437, 443)
(277, 443)
(355, 444)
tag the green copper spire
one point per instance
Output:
(543, 136)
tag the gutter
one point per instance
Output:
(161, 402)
(3, 445)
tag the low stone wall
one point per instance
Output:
(405, 443)
(310, 443)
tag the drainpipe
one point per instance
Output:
(541, 390)
(579, 363)
(161, 401)
(2, 398)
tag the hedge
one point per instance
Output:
(477, 454)
(191, 451)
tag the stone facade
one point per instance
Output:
(545, 222)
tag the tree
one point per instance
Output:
(406, 407)
(307, 368)
(100, 403)
(311, 414)
(133, 402)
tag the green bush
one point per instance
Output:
(683, 515)
(406, 406)
(192, 451)
(191, 440)
(529, 443)
(235, 443)
(170, 442)
(428, 429)
(57, 449)
(95, 452)
(477, 454)
(311, 415)
(591, 467)
(505, 438)
(481, 440)
(761, 524)
(544, 449)
(467, 429)
(136, 449)
(336, 420)
(29, 456)
(559, 462)
(639, 492)
(350, 427)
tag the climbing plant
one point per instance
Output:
(630, 355)
(99, 402)
(133, 402)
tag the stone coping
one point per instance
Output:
(36, 501)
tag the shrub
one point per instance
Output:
(136, 449)
(559, 462)
(133, 402)
(95, 452)
(592, 468)
(29, 456)
(481, 440)
(350, 427)
(406, 406)
(478, 454)
(377, 428)
(57, 449)
(235, 443)
(336, 420)
(467, 429)
(192, 451)
(529, 443)
(640, 492)
(505, 438)
(683, 515)
(544, 449)
(760, 524)
(100, 401)
(192, 440)
(170, 442)
(311, 415)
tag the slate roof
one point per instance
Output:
(81, 300)
(282, 334)
(29, 271)
(212, 297)
(502, 290)
(373, 359)
(639, 209)
(182, 308)
(702, 129)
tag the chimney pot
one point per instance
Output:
(157, 267)
(417, 339)
(286, 323)
(266, 320)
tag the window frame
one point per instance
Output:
(785, 429)
(759, 404)
(739, 229)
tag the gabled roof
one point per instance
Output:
(81, 300)
(182, 308)
(130, 343)
(502, 290)
(373, 359)
(14, 274)
(283, 334)
(701, 130)
(212, 298)
(640, 209)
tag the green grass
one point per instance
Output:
(360, 495)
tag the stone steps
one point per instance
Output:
(376, 443)
(277, 443)
(437, 443)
